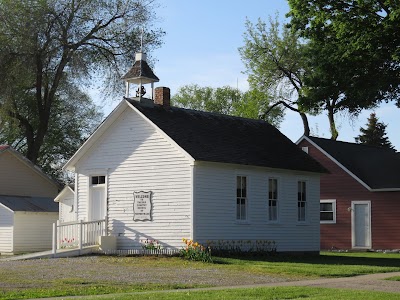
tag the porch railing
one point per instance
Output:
(76, 235)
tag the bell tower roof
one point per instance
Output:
(140, 73)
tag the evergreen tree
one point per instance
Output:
(374, 134)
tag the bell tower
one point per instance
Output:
(140, 74)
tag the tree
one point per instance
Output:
(275, 63)
(226, 100)
(331, 87)
(72, 120)
(374, 134)
(49, 49)
(360, 39)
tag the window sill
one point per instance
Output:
(328, 222)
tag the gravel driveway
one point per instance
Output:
(37, 272)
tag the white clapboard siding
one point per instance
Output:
(215, 207)
(67, 209)
(33, 231)
(136, 157)
(18, 178)
(82, 193)
(6, 230)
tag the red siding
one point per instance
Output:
(339, 185)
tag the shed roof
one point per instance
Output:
(226, 139)
(32, 204)
(377, 167)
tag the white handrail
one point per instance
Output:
(77, 234)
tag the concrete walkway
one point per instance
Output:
(49, 254)
(372, 282)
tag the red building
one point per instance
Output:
(360, 197)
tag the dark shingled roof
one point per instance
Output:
(226, 139)
(32, 204)
(140, 69)
(378, 167)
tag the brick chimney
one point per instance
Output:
(162, 96)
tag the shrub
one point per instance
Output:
(195, 251)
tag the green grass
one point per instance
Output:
(296, 267)
(394, 278)
(76, 287)
(263, 293)
(327, 265)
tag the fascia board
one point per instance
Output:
(110, 119)
(63, 192)
(6, 207)
(336, 162)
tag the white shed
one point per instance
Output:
(25, 223)
(27, 208)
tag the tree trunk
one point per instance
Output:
(332, 125)
(305, 124)
(302, 115)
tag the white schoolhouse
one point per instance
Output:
(158, 172)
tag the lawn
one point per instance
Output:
(328, 264)
(262, 293)
(109, 275)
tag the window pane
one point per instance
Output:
(301, 213)
(238, 186)
(326, 206)
(95, 180)
(243, 210)
(244, 186)
(273, 188)
(273, 215)
(326, 216)
(102, 179)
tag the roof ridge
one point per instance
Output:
(200, 112)
(353, 143)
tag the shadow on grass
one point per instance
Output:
(317, 259)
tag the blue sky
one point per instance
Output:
(201, 46)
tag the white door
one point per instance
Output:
(361, 224)
(97, 202)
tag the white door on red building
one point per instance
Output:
(361, 224)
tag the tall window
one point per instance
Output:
(273, 199)
(301, 201)
(241, 197)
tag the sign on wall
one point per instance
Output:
(142, 206)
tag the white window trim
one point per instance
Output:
(278, 179)
(306, 218)
(246, 220)
(333, 201)
(353, 242)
